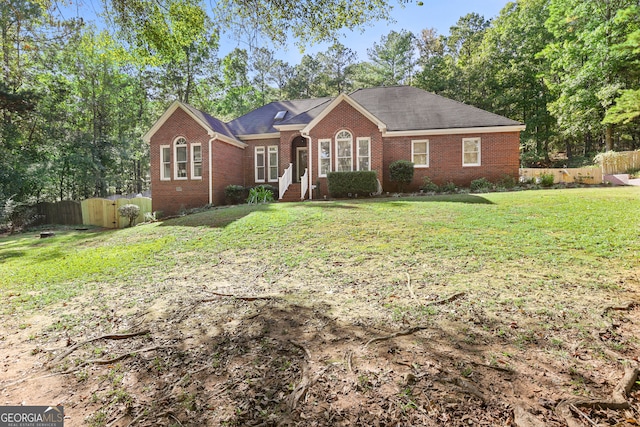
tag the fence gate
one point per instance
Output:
(104, 213)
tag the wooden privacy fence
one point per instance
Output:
(617, 162)
(98, 212)
(104, 213)
(590, 175)
(66, 212)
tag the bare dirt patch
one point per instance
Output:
(242, 344)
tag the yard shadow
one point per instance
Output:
(400, 201)
(261, 358)
(448, 198)
(218, 217)
(4, 255)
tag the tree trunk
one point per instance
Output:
(608, 139)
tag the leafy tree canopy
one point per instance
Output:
(309, 21)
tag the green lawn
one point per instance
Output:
(587, 237)
(533, 272)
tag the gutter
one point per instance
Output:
(210, 175)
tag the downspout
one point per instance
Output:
(210, 175)
(310, 163)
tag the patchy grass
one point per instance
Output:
(535, 241)
(536, 269)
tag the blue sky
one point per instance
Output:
(433, 14)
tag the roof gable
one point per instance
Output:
(337, 101)
(215, 128)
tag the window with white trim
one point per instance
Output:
(344, 150)
(470, 151)
(260, 164)
(324, 157)
(165, 162)
(196, 161)
(364, 154)
(180, 148)
(420, 153)
(273, 163)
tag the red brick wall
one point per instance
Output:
(345, 117)
(249, 165)
(173, 195)
(499, 154)
(228, 168)
(234, 165)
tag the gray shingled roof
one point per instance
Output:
(400, 108)
(408, 108)
(215, 124)
(262, 120)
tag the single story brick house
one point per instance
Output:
(293, 144)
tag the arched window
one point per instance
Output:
(180, 149)
(344, 150)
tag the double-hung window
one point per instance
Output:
(344, 149)
(260, 164)
(420, 153)
(324, 157)
(180, 147)
(471, 152)
(273, 163)
(165, 162)
(364, 154)
(196, 161)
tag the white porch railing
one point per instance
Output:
(304, 184)
(285, 181)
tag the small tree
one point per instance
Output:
(129, 211)
(401, 171)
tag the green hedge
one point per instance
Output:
(362, 183)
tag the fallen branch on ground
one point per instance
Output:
(395, 335)
(446, 300)
(243, 298)
(466, 387)
(349, 357)
(303, 386)
(620, 307)
(113, 359)
(497, 368)
(301, 347)
(103, 337)
(618, 399)
(409, 286)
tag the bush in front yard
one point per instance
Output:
(235, 194)
(401, 171)
(129, 211)
(546, 180)
(449, 187)
(341, 184)
(260, 194)
(480, 185)
(429, 186)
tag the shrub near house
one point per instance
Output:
(195, 157)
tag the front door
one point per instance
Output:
(301, 162)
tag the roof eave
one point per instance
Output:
(231, 141)
(255, 136)
(285, 128)
(456, 131)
